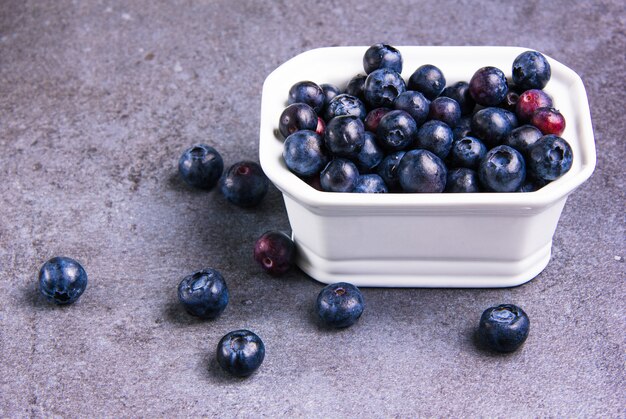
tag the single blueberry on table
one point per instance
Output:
(462, 180)
(415, 104)
(304, 153)
(201, 166)
(244, 184)
(435, 136)
(491, 126)
(295, 117)
(529, 101)
(549, 158)
(531, 70)
(62, 280)
(240, 352)
(460, 92)
(382, 56)
(339, 175)
(339, 305)
(345, 135)
(382, 87)
(422, 171)
(275, 252)
(467, 152)
(309, 93)
(204, 293)
(388, 170)
(396, 131)
(355, 86)
(502, 169)
(370, 183)
(549, 121)
(488, 86)
(446, 110)
(428, 80)
(370, 154)
(345, 104)
(522, 138)
(503, 328)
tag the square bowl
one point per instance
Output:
(423, 240)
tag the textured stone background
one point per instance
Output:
(98, 99)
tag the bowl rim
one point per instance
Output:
(290, 184)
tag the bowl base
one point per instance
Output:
(420, 273)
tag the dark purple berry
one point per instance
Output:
(275, 252)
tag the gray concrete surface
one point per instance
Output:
(98, 99)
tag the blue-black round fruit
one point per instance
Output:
(295, 117)
(62, 280)
(204, 293)
(422, 171)
(387, 169)
(462, 180)
(415, 104)
(467, 152)
(275, 252)
(370, 183)
(488, 86)
(244, 184)
(339, 175)
(503, 328)
(503, 169)
(344, 136)
(492, 125)
(304, 153)
(460, 91)
(370, 154)
(201, 166)
(339, 305)
(549, 158)
(382, 56)
(240, 352)
(345, 104)
(309, 93)
(396, 130)
(435, 136)
(355, 86)
(531, 70)
(428, 80)
(446, 110)
(382, 87)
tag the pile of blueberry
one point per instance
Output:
(382, 134)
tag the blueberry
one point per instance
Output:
(373, 117)
(446, 110)
(531, 70)
(467, 152)
(460, 92)
(532, 185)
(488, 86)
(435, 136)
(502, 169)
(370, 154)
(415, 104)
(345, 135)
(304, 153)
(309, 93)
(62, 280)
(370, 183)
(345, 104)
(529, 101)
(462, 180)
(244, 184)
(463, 128)
(201, 166)
(339, 175)
(275, 252)
(295, 117)
(491, 125)
(503, 328)
(382, 87)
(511, 117)
(549, 121)
(549, 158)
(339, 305)
(510, 100)
(388, 170)
(382, 56)
(204, 293)
(396, 130)
(422, 171)
(356, 85)
(428, 80)
(522, 138)
(330, 91)
(240, 352)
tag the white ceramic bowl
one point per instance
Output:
(423, 240)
